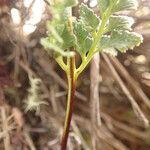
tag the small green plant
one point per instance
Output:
(69, 36)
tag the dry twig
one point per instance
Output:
(134, 104)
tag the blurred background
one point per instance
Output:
(112, 103)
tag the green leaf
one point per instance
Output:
(106, 47)
(84, 41)
(124, 40)
(118, 5)
(105, 43)
(87, 44)
(120, 23)
(88, 17)
(60, 28)
(50, 48)
(80, 31)
(103, 5)
(68, 38)
(125, 5)
(121, 40)
(54, 32)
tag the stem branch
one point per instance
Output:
(97, 38)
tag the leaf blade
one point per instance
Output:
(121, 40)
(88, 17)
(50, 47)
(103, 5)
(125, 5)
(120, 23)
(84, 38)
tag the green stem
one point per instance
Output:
(93, 48)
(70, 102)
(97, 38)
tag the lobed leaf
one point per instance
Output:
(60, 28)
(125, 5)
(69, 40)
(88, 17)
(103, 5)
(53, 31)
(118, 5)
(124, 40)
(50, 47)
(120, 23)
(84, 40)
(87, 44)
(121, 40)
(80, 31)
(105, 43)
